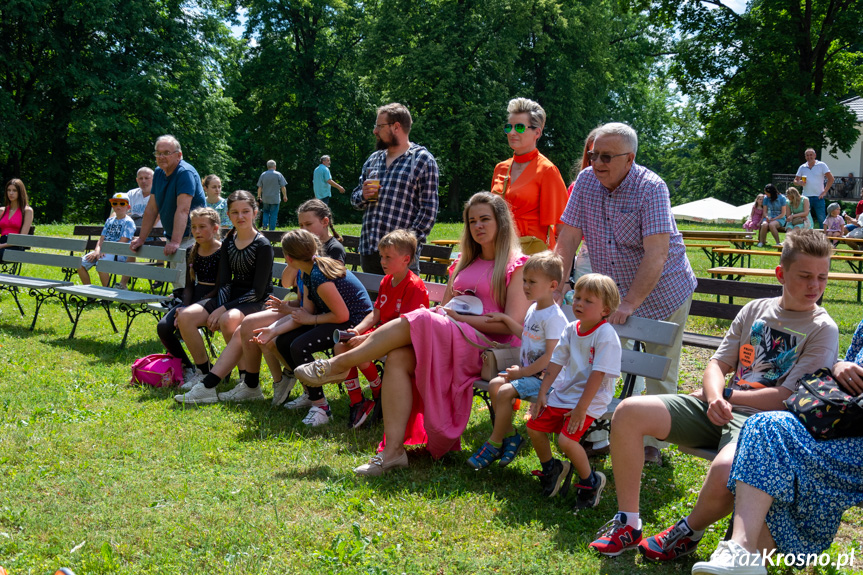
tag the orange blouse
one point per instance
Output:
(537, 198)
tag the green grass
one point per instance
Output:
(106, 478)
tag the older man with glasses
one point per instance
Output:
(623, 212)
(176, 191)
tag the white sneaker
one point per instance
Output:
(300, 402)
(282, 388)
(242, 392)
(192, 380)
(729, 558)
(198, 395)
(317, 417)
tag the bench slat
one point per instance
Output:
(31, 283)
(48, 242)
(41, 259)
(111, 294)
(138, 270)
(737, 289)
(147, 252)
(714, 309)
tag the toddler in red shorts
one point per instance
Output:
(577, 388)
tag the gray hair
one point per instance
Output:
(526, 106)
(271, 163)
(621, 130)
(145, 169)
(324, 159)
(172, 139)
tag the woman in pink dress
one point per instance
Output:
(428, 353)
(16, 216)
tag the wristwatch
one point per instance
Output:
(726, 393)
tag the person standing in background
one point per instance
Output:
(323, 181)
(270, 184)
(811, 175)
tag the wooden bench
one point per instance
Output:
(14, 268)
(854, 262)
(39, 288)
(707, 249)
(634, 362)
(719, 310)
(737, 273)
(132, 303)
(372, 282)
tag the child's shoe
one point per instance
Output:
(484, 456)
(557, 480)
(511, 447)
(615, 537)
(674, 542)
(359, 413)
(586, 496)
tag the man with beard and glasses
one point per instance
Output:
(398, 187)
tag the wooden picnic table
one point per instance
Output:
(445, 242)
(737, 255)
(716, 234)
(736, 273)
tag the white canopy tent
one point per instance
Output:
(711, 210)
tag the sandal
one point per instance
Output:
(484, 456)
(511, 447)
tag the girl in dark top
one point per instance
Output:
(200, 282)
(245, 268)
(334, 299)
(315, 216)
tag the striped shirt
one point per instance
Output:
(408, 198)
(614, 225)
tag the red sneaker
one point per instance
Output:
(615, 537)
(674, 542)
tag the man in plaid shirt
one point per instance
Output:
(623, 212)
(407, 197)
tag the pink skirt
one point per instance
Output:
(446, 368)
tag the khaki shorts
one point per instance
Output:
(691, 427)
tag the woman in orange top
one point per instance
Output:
(529, 182)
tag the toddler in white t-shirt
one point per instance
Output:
(542, 327)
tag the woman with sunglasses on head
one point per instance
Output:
(433, 356)
(16, 216)
(529, 182)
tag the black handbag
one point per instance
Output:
(824, 408)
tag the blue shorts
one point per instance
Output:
(86, 264)
(527, 386)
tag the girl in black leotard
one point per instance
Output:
(244, 283)
(201, 280)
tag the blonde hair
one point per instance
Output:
(793, 196)
(403, 241)
(506, 246)
(547, 263)
(208, 214)
(529, 107)
(602, 287)
(304, 246)
(809, 242)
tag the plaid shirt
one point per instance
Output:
(408, 197)
(614, 225)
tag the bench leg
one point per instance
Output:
(132, 312)
(79, 304)
(483, 395)
(40, 298)
(14, 291)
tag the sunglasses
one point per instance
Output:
(519, 128)
(604, 158)
(116, 203)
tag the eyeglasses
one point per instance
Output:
(604, 158)
(379, 126)
(165, 154)
(116, 203)
(519, 128)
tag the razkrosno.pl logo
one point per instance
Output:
(800, 560)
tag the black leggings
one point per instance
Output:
(168, 333)
(298, 346)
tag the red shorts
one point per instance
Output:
(555, 420)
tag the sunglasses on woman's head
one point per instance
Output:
(519, 128)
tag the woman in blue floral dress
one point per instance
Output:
(790, 490)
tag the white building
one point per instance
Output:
(842, 164)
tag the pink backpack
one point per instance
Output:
(158, 370)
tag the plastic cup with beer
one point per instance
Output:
(373, 179)
(804, 179)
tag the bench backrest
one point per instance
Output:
(372, 283)
(731, 289)
(64, 260)
(141, 270)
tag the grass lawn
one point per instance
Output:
(106, 478)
